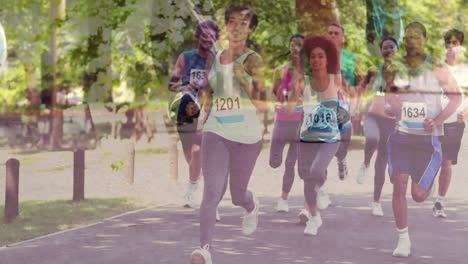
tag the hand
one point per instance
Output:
(429, 125)
(187, 88)
(461, 116)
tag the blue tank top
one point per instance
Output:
(194, 70)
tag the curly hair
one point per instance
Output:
(333, 59)
(207, 24)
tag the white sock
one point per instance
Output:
(402, 233)
(194, 182)
(440, 199)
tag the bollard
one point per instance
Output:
(78, 175)
(11, 190)
(130, 163)
(173, 162)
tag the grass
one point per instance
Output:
(59, 168)
(357, 142)
(41, 217)
(153, 151)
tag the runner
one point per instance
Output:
(232, 135)
(378, 125)
(286, 124)
(351, 75)
(190, 68)
(320, 130)
(414, 148)
(454, 126)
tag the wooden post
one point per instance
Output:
(173, 161)
(11, 190)
(78, 175)
(130, 162)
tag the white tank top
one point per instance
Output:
(460, 74)
(232, 114)
(421, 98)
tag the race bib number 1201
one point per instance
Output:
(227, 103)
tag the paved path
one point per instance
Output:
(168, 233)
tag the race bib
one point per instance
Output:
(228, 110)
(413, 114)
(197, 76)
(320, 124)
(227, 103)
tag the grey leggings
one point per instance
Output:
(377, 129)
(313, 160)
(221, 160)
(285, 132)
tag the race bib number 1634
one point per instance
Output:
(413, 112)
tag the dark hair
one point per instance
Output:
(388, 38)
(296, 36)
(417, 25)
(333, 62)
(239, 8)
(207, 24)
(338, 25)
(454, 33)
(289, 43)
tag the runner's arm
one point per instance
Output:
(174, 84)
(256, 91)
(452, 91)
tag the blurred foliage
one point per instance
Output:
(138, 41)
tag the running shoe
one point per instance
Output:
(189, 197)
(303, 216)
(377, 209)
(250, 220)
(438, 210)
(323, 199)
(282, 205)
(403, 248)
(361, 176)
(312, 226)
(201, 256)
(342, 169)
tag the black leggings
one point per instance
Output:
(377, 129)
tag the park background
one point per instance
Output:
(117, 55)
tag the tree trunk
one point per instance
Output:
(314, 16)
(57, 9)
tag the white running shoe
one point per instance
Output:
(377, 209)
(403, 248)
(250, 220)
(312, 226)
(323, 199)
(282, 205)
(361, 176)
(303, 216)
(201, 256)
(438, 210)
(218, 218)
(189, 197)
